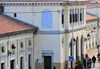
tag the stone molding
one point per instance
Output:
(60, 32)
(44, 3)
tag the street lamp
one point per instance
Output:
(88, 37)
(13, 50)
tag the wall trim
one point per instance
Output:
(60, 32)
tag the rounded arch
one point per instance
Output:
(46, 18)
(30, 41)
(15, 15)
(3, 48)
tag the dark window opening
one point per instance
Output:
(73, 17)
(76, 17)
(80, 16)
(21, 44)
(12, 64)
(2, 65)
(70, 18)
(21, 63)
(3, 49)
(29, 61)
(15, 15)
(62, 19)
(62, 16)
(29, 42)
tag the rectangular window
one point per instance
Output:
(2, 65)
(21, 63)
(29, 60)
(73, 17)
(62, 18)
(80, 14)
(76, 16)
(12, 64)
(70, 18)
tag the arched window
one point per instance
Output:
(15, 15)
(30, 42)
(21, 44)
(46, 18)
(2, 49)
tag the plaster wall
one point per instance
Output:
(24, 13)
(16, 40)
(47, 42)
(93, 11)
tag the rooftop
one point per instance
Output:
(90, 17)
(31, 0)
(9, 25)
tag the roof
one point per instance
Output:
(93, 4)
(90, 17)
(31, 0)
(9, 25)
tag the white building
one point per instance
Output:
(91, 28)
(16, 44)
(52, 44)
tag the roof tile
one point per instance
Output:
(90, 17)
(8, 25)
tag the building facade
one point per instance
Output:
(52, 45)
(16, 44)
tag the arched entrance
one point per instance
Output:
(82, 47)
(77, 48)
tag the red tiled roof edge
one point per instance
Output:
(90, 17)
(20, 20)
(14, 27)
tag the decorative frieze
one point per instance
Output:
(29, 3)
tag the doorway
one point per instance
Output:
(47, 62)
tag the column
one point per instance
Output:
(79, 52)
(91, 40)
(26, 53)
(17, 54)
(8, 57)
(94, 40)
(74, 52)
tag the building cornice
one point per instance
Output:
(17, 33)
(29, 3)
(43, 3)
(92, 20)
(60, 32)
(75, 3)
(74, 30)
